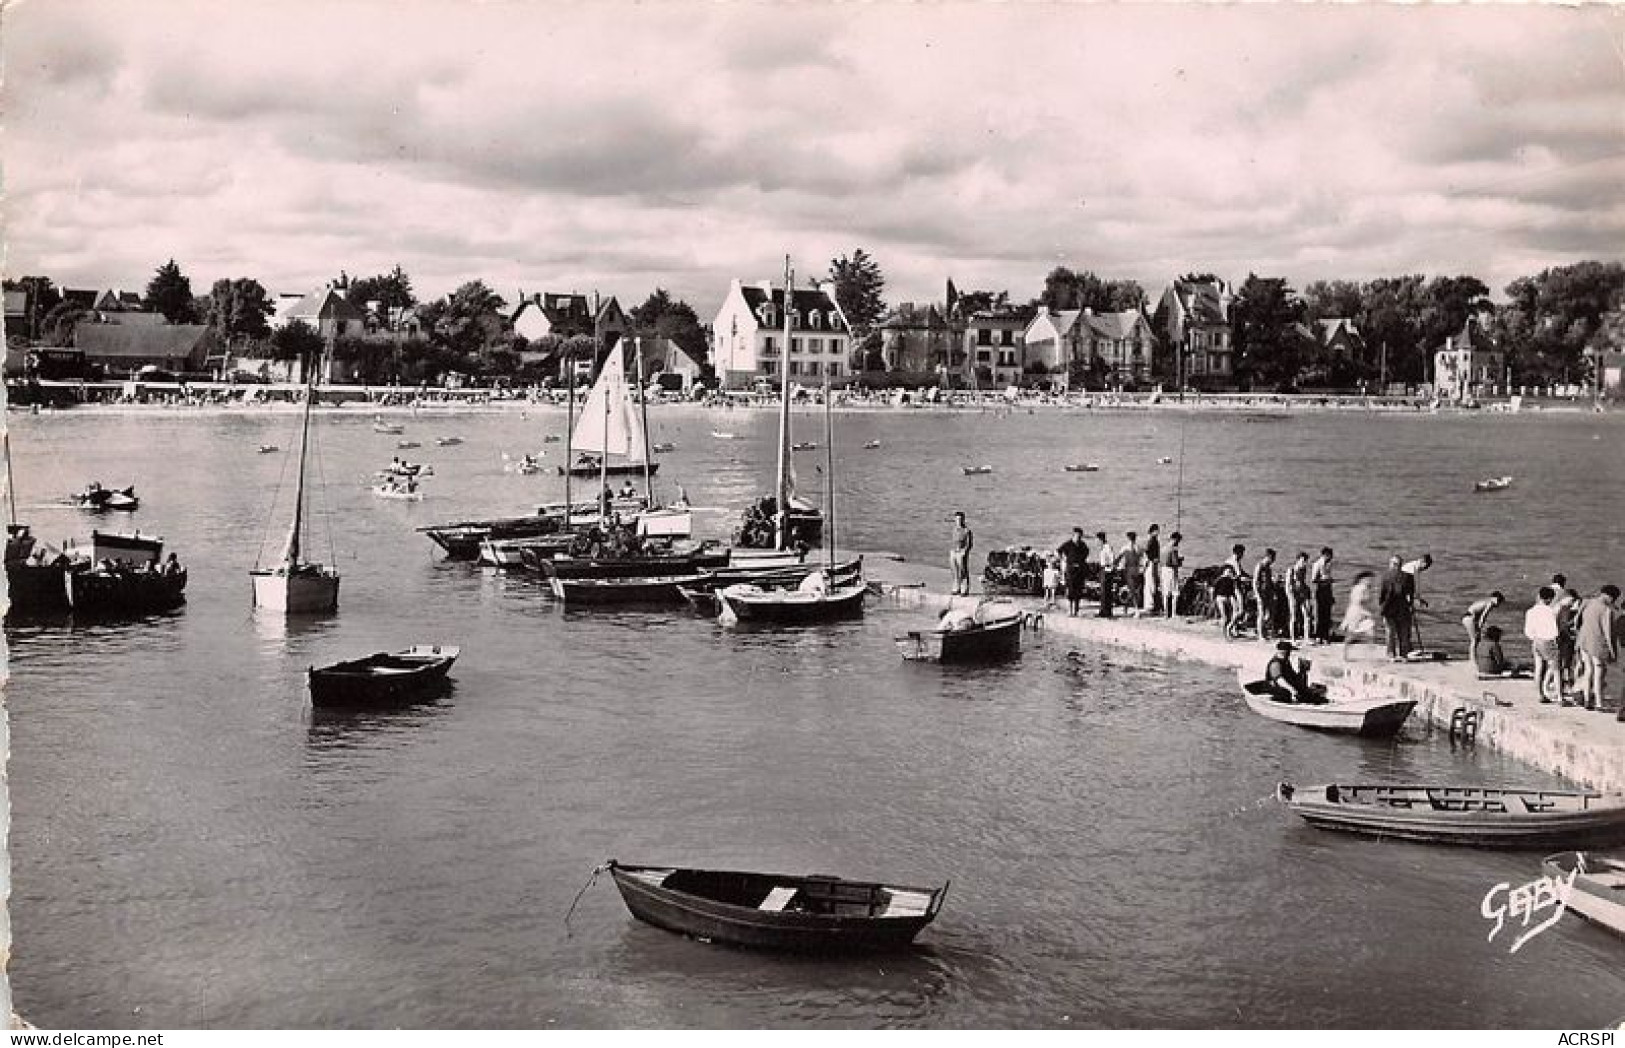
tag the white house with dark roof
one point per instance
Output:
(1123, 342)
(747, 336)
(1194, 317)
(327, 311)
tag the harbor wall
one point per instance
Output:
(1584, 747)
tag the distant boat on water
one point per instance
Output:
(1082, 467)
(976, 471)
(1493, 484)
(293, 585)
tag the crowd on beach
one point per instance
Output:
(1573, 638)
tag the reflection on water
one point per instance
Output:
(191, 839)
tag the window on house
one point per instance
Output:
(768, 347)
(795, 367)
(815, 319)
(770, 368)
(983, 356)
(984, 336)
(835, 367)
(795, 345)
(1007, 338)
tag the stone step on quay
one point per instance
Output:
(1585, 747)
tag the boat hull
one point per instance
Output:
(38, 588)
(981, 642)
(1465, 815)
(628, 567)
(362, 682)
(648, 898)
(1598, 890)
(298, 593)
(793, 608)
(614, 469)
(1374, 718)
(661, 589)
(123, 592)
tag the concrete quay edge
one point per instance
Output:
(1583, 747)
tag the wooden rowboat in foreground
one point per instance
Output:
(1347, 715)
(818, 914)
(384, 678)
(1482, 816)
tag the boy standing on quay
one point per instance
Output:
(1172, 561)
(1395, 601)
(1128, 562)
(1597, 646)
(1106, 560)
(1540, 626)
(1320, 579)
(1153, 571)
(959, 555)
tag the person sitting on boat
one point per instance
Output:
(1290, 683)
(681, 501)
(172, 566)
(628, 491)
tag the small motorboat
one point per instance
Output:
(804, 445)
(1483, 816)
(976, 471)
(871, 445)
(448, 442)
(634, 589)
(1595, 886)
(392, 428)
(1166, 460)
(1347, 714)
(398, 492)
(407, 445)
(98, 499)
(974, 630)
(720, 435)
(402, 468)
(1493, 484)
(822, 596)
(383, 678)
(664, 446)
(818, 914)
(551, 438)
(525, 464)
(269, 449)
(1081, 467)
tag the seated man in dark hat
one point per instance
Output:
(1289, 683)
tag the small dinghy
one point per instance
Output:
(816, 914)
(976, 471)
(383, 678)
(269, 449)
(98, 499)
(391, 428)
(395, 491)
(407, 445)
(804, 445)
(1166, 460)
(551, 438)
(1341, 713)
(525, 464)
(1493, 484)
(1595, 886)
(871, 445)
(448, 442)
(720, 435)
(664, 446)
(1486, 817)
(1082, 467)
(974, 630)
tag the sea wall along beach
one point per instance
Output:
(1586, 748)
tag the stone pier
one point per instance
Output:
(1584, 747)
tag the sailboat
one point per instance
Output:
(821, 596)
(294, 585)
(609, 425)
(782, 520)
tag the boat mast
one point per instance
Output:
(782, 490)
(569, 426)
(11, 491)
(643, 409)
(829, 470)
(603, 453)
(290, 556)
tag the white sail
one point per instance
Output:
(608, 424)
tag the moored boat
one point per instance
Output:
(1081, 467)
(621, 589)
(591, 466)
(123, 589)
(1493, 484)
(292, 585)
(1483, 816)
(977, 630)
(816, 599)
(1349, 715)
(98, 499)
(976, 471)
(777, 911)
(382, 678)
(1595, 886)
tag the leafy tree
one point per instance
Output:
(969, 303)
(1391, 324)
(1553, 319)
(170, 293)
(389, 290)
(42, 298)
(858, 286)
(662, 316)
(468, 321)
(1333, 299)
(1270, 347)
(58, 326)
(1064, 289)
(239, 308)
(1198, 278)
(296, 340)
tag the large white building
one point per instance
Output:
(747, 337)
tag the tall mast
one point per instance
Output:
(782, 489)
(569, 427)
(603, 453)
(291, 556)
(643, 408)
(11, 491)
(829, 470)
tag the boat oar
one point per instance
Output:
(596, 870)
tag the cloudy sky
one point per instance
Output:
(567, 146)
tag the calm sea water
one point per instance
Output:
(192, 847)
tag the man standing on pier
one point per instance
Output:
(1394, 599)
(959, 555)
(1320, 580)
(1106, 559)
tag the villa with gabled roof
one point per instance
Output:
(747, 336)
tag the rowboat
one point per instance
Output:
(819, 914)
(1493, 484)
(1081, 467)
(390, 428)
(407, 445)
(871, 445)
(1488, 817)
(625, 589)
(123, 590)
(390, 491)
(975, 631)
(689, 562)
(664, 446)
(1597, 890)
(803, 445)
(382, 678)
(701, 595)
(448, 442)
(97, 498)
(1352, 716)
(267, 449)
(720, 435)
(594, 468)
(815, 600)
(976, 471)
